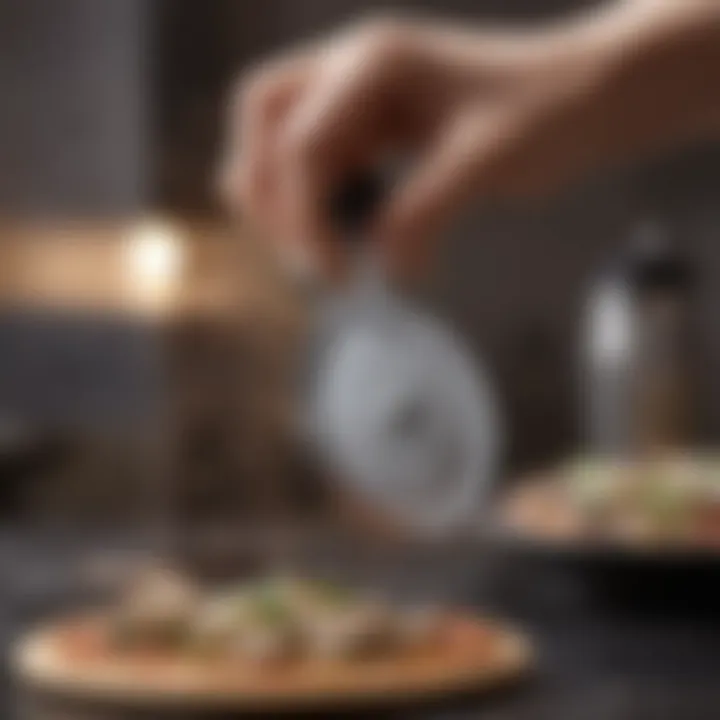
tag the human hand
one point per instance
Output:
(484, 114)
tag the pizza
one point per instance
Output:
(668, 500)
(268, 643)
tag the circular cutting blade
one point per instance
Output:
(402, 412)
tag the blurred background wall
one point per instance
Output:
(113, 109)
(73, 126)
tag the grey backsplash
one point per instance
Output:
(74, 119)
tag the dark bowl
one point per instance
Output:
(647, 578)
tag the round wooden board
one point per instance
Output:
(471, 656)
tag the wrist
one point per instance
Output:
(656, 67)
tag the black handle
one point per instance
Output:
(354, 205)
(655, 262)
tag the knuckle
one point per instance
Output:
(244, 188)
(256, 91)
(252, 92)
(381, 37)
(301, 144)
(227, 187)
(381, 28)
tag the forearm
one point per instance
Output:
(638, 76)
(661, 78)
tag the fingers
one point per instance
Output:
(336, 126)
(248, 176)
(289, 139)
(301, 127)
(449, 174)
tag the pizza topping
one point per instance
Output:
(664, 499)
(268, 621)
(155, 611)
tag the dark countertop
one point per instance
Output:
(597, 661)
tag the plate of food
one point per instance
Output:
(665, 507)
(278, 643)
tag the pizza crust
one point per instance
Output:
(67, 658)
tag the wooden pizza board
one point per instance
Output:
(65, 658)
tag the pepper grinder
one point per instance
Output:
(634, 349)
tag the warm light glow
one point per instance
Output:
(156, 251)
(155, 258)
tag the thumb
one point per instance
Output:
(461, 165)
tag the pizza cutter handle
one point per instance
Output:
(355, 204)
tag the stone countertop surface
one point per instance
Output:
(597, 661)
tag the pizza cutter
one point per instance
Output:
(395, 404)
